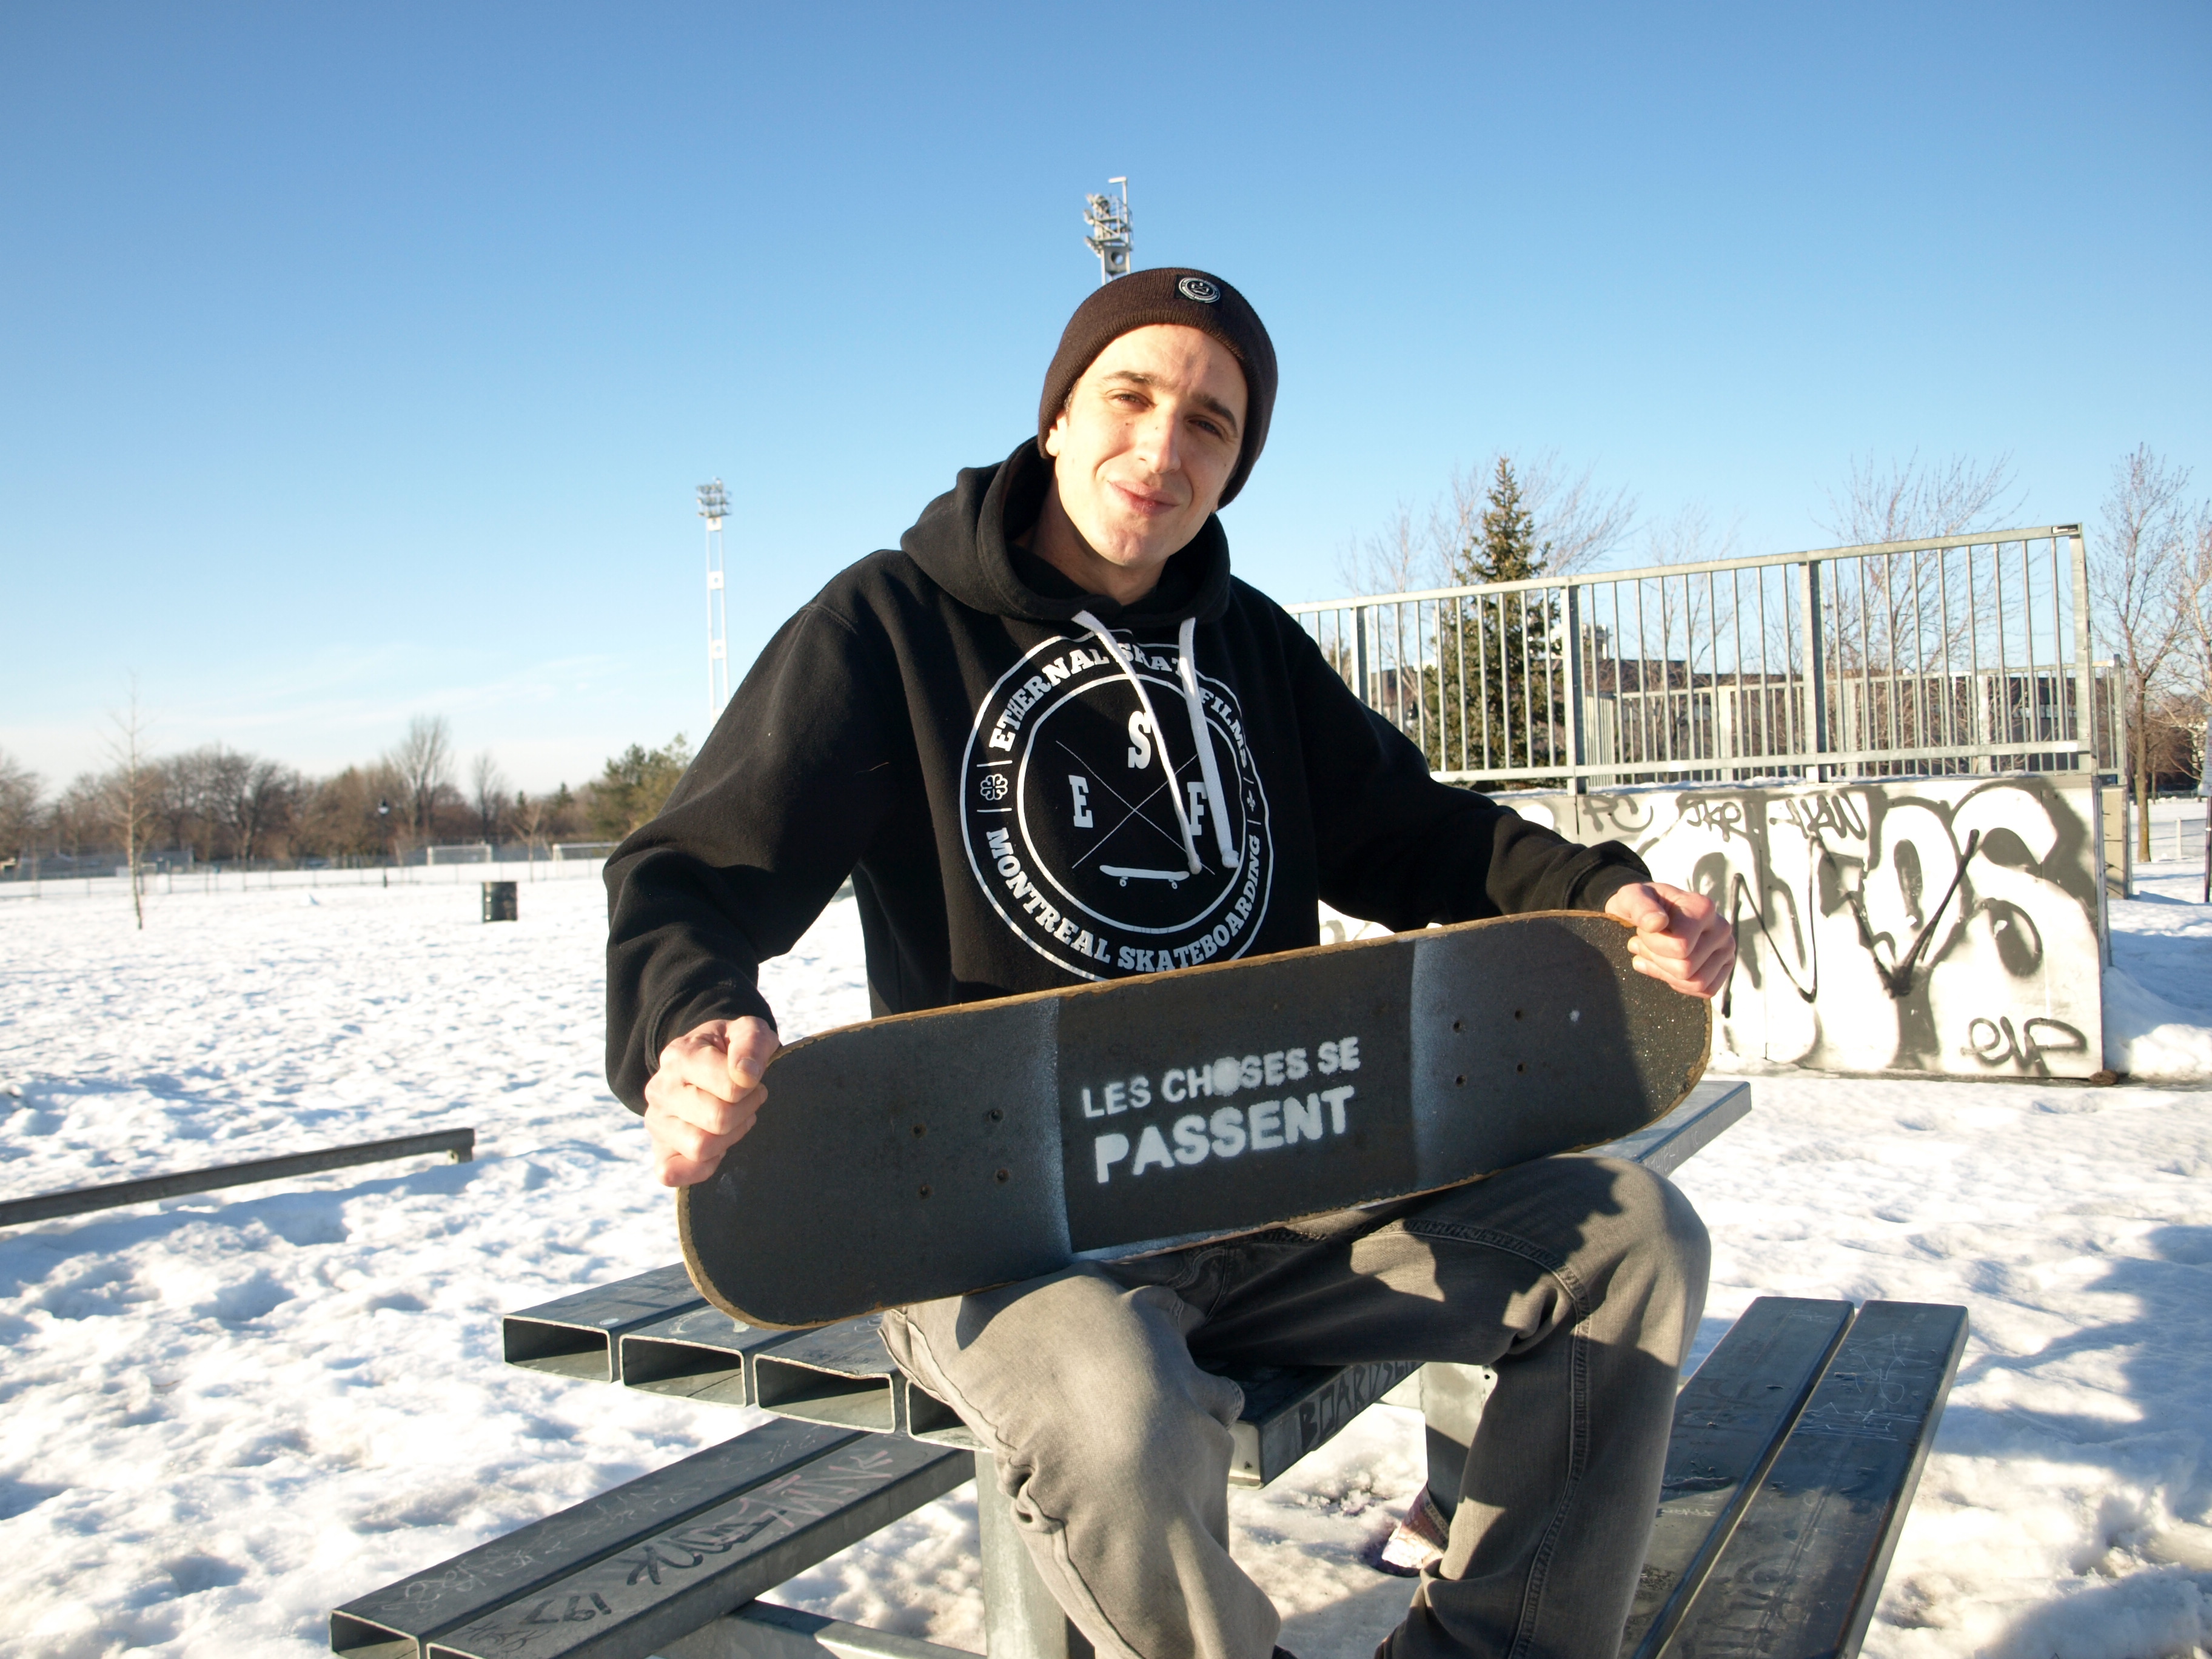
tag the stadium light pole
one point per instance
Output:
(1109, 232)
(713, 506)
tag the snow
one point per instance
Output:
(221, 1416)
(2158, 996)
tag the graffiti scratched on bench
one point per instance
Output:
(723, 1555)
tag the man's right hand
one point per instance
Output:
(706, 1094)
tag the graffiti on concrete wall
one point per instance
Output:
(1945, 925)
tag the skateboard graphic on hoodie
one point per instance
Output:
(934, 1154)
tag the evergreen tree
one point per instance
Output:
(1503, 642)
(634, 785)
(1508, 551)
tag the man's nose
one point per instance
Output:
(1157, 444)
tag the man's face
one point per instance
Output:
(1148, 439)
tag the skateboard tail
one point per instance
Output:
(870, 1157)
(1538, 1038)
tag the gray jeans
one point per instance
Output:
(1581, 1279)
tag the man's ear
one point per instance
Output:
(1056, 434)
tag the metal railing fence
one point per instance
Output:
(1961, 654)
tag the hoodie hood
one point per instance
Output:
(960, 542)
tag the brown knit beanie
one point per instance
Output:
(1172, 294)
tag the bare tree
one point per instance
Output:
(253, 800)
(425, 760)
(2196, 591)
(1913, 500)
(1576, 525)
(1693, 536)
(20, 788)
(130, 793)
(2137, 574)
(1671, 632)
(1398, 559)
(532, 814)
(1698, 610)
(336, 816)
(223, 784)
(1900, 617)
(1576, 521)
(77, 820)
(488, 786)
(180, 799)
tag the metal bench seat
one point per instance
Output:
(657, 1555)
(1795, 1451)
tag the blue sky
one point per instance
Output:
(358, 361)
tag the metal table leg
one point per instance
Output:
(1452, 1398)
(1020, 1619)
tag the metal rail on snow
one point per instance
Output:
(460, 1145)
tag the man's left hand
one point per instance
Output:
(1680, 938)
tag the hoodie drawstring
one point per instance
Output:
(1200, 733)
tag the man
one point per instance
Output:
(1052, 740)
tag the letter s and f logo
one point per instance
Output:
(1140, 741)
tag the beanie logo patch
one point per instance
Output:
(1198, 289)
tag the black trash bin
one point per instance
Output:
(499, 903)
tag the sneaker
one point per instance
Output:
(1418, 1541)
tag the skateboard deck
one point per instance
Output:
(929, 1155)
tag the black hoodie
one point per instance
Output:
(938, 724)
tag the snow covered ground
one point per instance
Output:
(223, 1415)
(2158, 992)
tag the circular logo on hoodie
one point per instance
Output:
(1069, 810)
(1198, 289)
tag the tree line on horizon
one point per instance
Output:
(222, 805)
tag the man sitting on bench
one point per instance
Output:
(1052, 740)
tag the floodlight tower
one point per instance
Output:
(1108, 236)
(713, 504)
